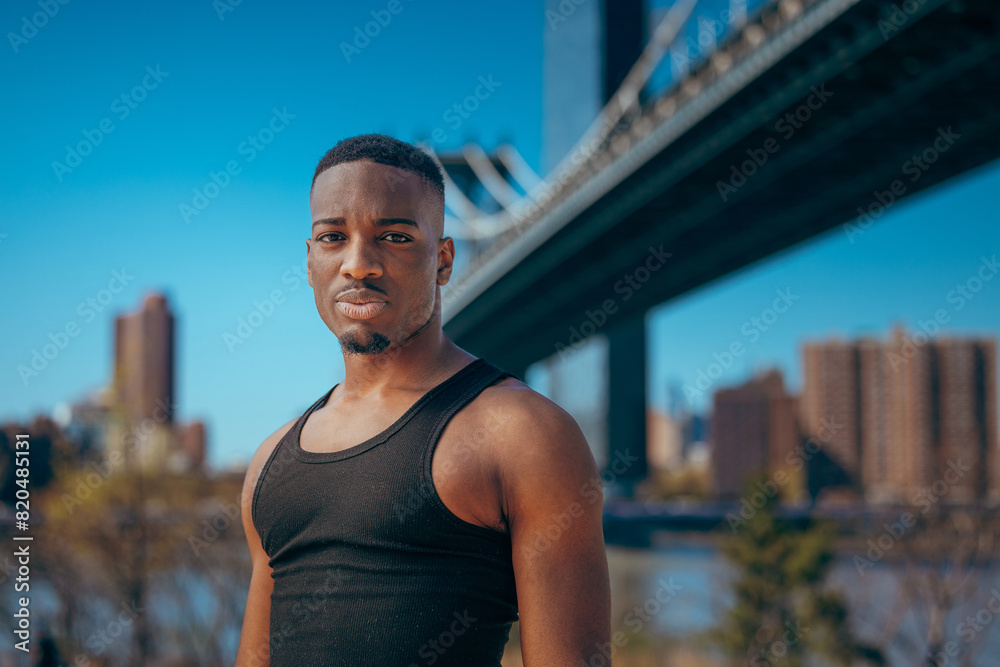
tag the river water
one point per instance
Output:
(672, 592)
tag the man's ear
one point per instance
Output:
(309, 274)
(446, 260)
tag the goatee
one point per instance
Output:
(376, 344)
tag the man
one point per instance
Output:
(430, 499)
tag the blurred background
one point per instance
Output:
(749, 244)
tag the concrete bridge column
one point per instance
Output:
(627, 404)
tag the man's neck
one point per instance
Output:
(420, 363)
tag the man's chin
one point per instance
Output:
(370, 344)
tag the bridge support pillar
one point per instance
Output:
(626, 463)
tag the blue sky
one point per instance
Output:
(207, 84)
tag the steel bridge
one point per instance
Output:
(805, 115)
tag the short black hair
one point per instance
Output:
(384, 150)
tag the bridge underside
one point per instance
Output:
(927, 85)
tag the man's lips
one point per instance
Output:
(361, 311)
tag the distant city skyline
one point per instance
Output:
(900, 418)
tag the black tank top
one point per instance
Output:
(370, 567)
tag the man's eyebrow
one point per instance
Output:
(380, 222)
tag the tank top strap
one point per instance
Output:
(451, 396)
(430, 426)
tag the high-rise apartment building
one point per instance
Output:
(754, 428)
(144, 431)
(948, 416)
(917, 416)
(831, 394)
(144, 361)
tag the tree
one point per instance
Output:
(782, 611)
(147, 568)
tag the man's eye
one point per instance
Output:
(399, 238)
(323, 236)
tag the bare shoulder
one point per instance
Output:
(516, 405)
(259, 459)
(540, 458)
(530, 430)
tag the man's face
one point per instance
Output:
(376, 256)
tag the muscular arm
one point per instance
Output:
(553, 502)
(254, 637)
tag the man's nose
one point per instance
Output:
(360, 261)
